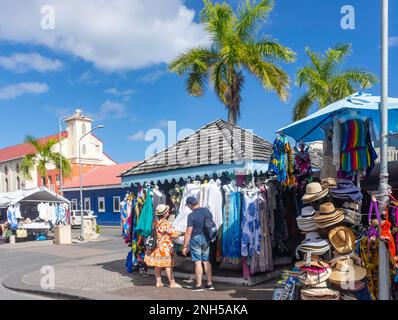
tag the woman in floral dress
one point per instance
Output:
(162, 256)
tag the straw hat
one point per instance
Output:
(328, 215)
(314, 262)
(342, 239)
(310, 278)
(305, 221)
(161, 209)
(347, 272)
(319, 292)
(314, 244)
(314, 192)
(328, 183)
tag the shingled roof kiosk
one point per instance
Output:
(215, 150)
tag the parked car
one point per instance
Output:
(75, 216)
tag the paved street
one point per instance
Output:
(95, 271)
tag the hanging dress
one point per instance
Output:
(231, 230)
(144, 226)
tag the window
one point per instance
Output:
(50, 180)
(97, 148)
(87, 204)
(18, 183)
(7, 189)
(57, 179)
(84, 149)
(101, 204)
(84, 131)
(116, 204)
(6, 169)
(17, 168)
(73, 204)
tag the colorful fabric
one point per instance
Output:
(124, 219)
(231, 231)
(302, 166)
(355, 154)
(144, 226)
(162, 256)
(277, 160)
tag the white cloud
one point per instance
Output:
(393, 41)
(139, 136)
(24, 62)
(113, 35)
(118, 92)
(15, 90)
(111, 110)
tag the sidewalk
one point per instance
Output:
(103, 276)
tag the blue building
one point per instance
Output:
(102, 192)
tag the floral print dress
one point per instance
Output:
(162, 256)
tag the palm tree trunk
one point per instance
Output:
(231, 115)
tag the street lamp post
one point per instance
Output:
(384, 264)
(81, 180)
(61, 190)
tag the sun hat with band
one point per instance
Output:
(305, 221)
(347, 272)
(310, 278)
(311, 260)
(314, 192)
(314, 244)
(161, 209)
(342, 239)
(328, 215)
(319, 292)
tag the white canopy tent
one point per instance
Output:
(39, 194)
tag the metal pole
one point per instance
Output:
(60, 158)
(81, 180)
(384, 265)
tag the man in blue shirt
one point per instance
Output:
(197, 243)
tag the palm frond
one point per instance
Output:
(27, 165)
(333, 57)
(269, 49)
(201, 57)
(218, 78)
(33, 141)
(251, 16)
(315, 59)
(196, 81)
(218, 19)
(302, 107)
(360, 78)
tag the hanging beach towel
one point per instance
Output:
(144, 226)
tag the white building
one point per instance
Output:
(92, 154)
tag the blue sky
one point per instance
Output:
(121, 78)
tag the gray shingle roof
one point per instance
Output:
(216, 143)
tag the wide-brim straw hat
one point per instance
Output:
(161, 209)
(342, 239)
(347, 272)
(309, 278)
(314, 262)
(327, 224)
(314, 192)
(328, 183)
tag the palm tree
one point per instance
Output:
(326, 82)
(42, 157)
(235, 47)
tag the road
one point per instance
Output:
(18, 259)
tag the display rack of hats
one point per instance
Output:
(328, 267)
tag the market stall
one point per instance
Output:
(340, 223)
(231, 185)
(31, 213)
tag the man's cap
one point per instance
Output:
(191, 201)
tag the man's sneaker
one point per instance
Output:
(197, 289)
(209, 287)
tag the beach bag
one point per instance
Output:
(210, 229)
(151, 242)
(21, 233)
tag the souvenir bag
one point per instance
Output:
(129, 262)
(21, 233)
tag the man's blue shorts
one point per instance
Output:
(199, 247)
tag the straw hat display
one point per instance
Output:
(328, 216)
(347, 272)
(329, 183)
(314, 192)
(342, 239)
(305, 221)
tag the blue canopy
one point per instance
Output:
(309, 128)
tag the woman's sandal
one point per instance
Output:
(175, 286)
(159, 286)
